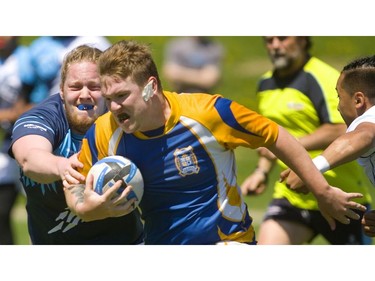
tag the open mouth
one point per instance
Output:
(85, 106)
(122, 117)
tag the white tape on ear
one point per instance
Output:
(148, 91)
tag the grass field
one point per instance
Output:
(245, 60)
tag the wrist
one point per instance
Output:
(321, 163)
(263, 172)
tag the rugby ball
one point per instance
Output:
(108, 170)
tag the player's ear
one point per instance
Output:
(148, 90)
(61, 94)
(359, 98)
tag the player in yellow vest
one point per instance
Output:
(299, 94)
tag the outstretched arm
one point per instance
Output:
(344, 149)
(333, 202)
(35, 156)
(351, 146)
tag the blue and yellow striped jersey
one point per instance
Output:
(191, 194)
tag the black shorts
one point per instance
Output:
(344, 234)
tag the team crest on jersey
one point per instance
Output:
(186, 161)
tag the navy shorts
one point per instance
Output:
(344, 234)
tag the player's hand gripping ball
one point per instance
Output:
(109, 170)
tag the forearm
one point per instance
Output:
(292, 153)
(322, 137)
(74, 195)
(264, 165)
(81, 205)
(348, 147)
(89, 205)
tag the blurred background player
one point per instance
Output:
(16, 82)
(299, 94)
(193, 64)
(47, 53)
(45, 143)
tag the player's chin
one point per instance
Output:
(82, 124)
(127, 126)
(128, 130)
(85, 117)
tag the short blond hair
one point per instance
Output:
(79, 54)
(129, 59)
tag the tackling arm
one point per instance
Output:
(351, 145)
(344, 149)
(35, 156)
(333, 202)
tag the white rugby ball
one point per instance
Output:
(107, 171)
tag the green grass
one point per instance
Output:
(19, 222)
(245, 60)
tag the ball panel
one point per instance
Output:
(110, 169)
(135, 179)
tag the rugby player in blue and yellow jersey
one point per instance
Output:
(184, 146)
(299, 94)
